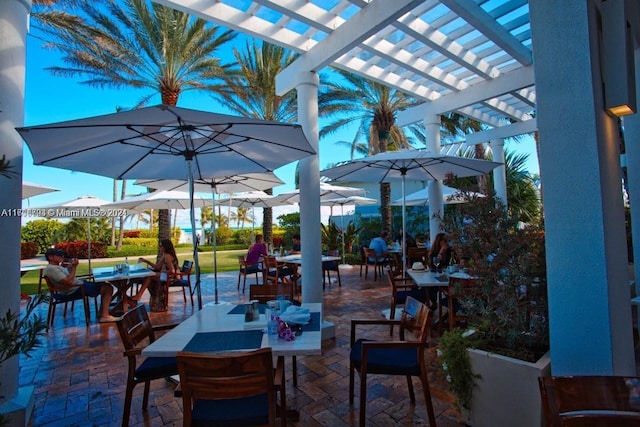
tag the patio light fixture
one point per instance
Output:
(618, 59)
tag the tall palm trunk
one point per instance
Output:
(169, 97)
(267, 221)
(383, 121)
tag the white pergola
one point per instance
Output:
(475, 57)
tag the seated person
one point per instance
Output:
(256, 251)
(166, 264)
(295, 247)
(66, 276)
(410, 242)
(440, 252)
(379, 245)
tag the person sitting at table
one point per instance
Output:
(442, 252)
(256, 251)
(66, 276)
(295, 247)
(166, 264)
(410, 242)
(379, 245)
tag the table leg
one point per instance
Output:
(123, 301)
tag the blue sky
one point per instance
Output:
(51, 99)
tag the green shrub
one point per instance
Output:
(129, 251)
(148, 242)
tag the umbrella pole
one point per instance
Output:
(344, 264)
(215, 244)
(89, 242)
(404, 235)
(194, 235)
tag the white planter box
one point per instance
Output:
(507, 395)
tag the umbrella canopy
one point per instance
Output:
(82, 207)
(327, 191)
(160, 200)
(421, 197)
(170, 143)
(29, 189)
(218, 184)
(351, 200)
(418, 165)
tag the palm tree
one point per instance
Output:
(134, 43)
(373, 107)
(206, 216)
(252, 93)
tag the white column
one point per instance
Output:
(589, 310)
(436, 202)
(499, 173)
(13, 31)
(309, 174)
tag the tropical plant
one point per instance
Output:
(351, 233)
(251, 92)
(353, 99)
(330, 236)
(134, 43)
(508, 306)
(456, 365)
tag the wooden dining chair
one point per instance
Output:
(234, 389)
(417, 255)
(450, 298)
(588, 401)
(264, 293)
(136, 331)
(371, 259)
(404, 357)
(58, 295)
(182, 279)
(246, 269)
(328, 267)
(274, 272)
(401, 288)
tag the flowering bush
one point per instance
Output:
(29, 249)
(79, 249)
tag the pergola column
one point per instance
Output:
(436, 200)
(587, 272)
(309, 174)
(499, 173)
(17, 403)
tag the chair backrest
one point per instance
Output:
(363, 255)
(242, 261)
(271, 270)
(227, 376)
(418, 254)
(333, 252)
(135, 327)
(590, 400)
(187, 266)
(268, 292)
(55, 288)
(370, 254)
(416, 319)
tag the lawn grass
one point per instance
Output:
(226, 261)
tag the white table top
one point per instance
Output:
(215, 318)
(427, 278)
(297, 258)
(106, 274)
(31, 267)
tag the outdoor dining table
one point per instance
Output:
(297, 259)
(24, 269)
(222, 327)
(122, 282)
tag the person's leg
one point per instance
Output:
(145, 285)
(106, 294)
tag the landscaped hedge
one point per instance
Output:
(145, 242)
(131, 251)
(29, 249)
(79, 249)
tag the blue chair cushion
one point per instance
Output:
(250, 269)
(156, 367)
(418, 294)
(330, 265)
(73, 296)
(247, 411)
(390, 361)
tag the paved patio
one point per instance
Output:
(80, 373)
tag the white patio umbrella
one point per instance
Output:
(218, 185)
(418, 165)
(82, 207)
(421, 197)
(327, 191)
(170, 143)
(160, 200)
(351, 200)
(30, 189)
